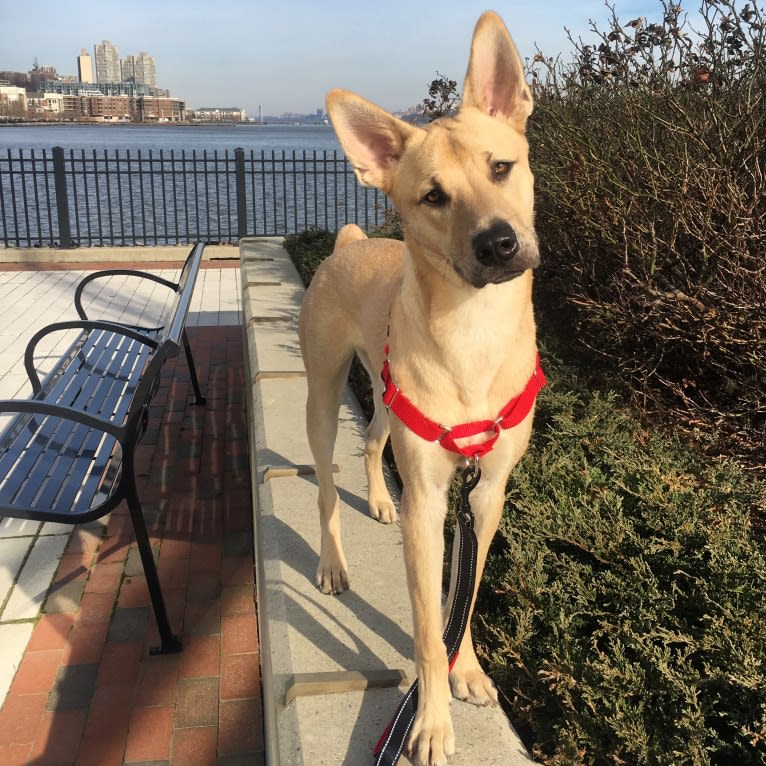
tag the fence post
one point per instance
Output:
(239, 172)
(62, 199)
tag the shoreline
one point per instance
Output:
(186, 124)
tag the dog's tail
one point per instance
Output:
(349, 233)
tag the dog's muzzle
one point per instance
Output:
(499, 257)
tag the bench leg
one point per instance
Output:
(170, 643)
(192, 370)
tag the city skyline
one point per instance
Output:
(285, 57)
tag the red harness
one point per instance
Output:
(511, 415)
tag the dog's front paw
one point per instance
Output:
(332, 576)
(470, 683)
(382, 509)
(431, 741)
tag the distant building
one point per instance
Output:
(219, 114)
(13, 101)
(128, 67)
(156, 109)
(46, 106)
(107, 62)
(140, 69)
(104, 88)
(84, 66)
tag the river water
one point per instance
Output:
(259, 138)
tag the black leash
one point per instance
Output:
(391, 744)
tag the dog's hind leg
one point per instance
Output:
(381, 505)
(322, 405)
(379, 498)
(327, 351)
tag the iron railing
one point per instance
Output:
(80, 198)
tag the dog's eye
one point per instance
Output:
(435, 197)
(502, 168)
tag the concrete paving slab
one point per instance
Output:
(14, 638)
(275, 352)
(32, 583)
(302, 631)
(18, 527)
(13, 551)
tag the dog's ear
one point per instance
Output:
(372, 139)
(495, 82)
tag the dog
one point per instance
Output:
(449, 311)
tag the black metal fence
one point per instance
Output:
(85, 198)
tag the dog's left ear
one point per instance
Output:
(495, 82)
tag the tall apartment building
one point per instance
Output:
(107, 62)
(84, 66)
(140, 69)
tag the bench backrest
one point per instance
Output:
(179, 308)
(169, 339)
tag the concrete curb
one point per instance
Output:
(35, 255)
(312, 645)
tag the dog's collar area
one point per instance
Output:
(447, 436)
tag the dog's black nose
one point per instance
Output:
(496, 245)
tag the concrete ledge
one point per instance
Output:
(345, 655)
(160, 254)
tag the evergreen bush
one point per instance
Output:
(623, 608)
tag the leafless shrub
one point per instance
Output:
(650, 155)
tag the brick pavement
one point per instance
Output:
(87, 692)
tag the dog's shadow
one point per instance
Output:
(335, 626)
(300, 556)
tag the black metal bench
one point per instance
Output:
(67, 455)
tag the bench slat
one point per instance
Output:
(91, 352)
(53, 494)
(102, 360)
(76, 496)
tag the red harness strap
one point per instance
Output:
(511, 415)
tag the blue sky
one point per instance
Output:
(286, 54)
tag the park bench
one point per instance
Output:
(67, 454)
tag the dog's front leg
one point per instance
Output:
(423, 509)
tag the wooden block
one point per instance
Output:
(282, 471)
(312, 684)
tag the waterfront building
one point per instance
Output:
(13, 101)
(84, 66)
(49, 106)
(220, 114)
(157, 109)
(107, 62)
(103, 88)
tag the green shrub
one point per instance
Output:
(308, 249)
(649, 149)
(622, 610)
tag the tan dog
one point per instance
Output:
(458, 292)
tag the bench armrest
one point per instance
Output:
(37, 407)
(77, 324)
(85, 281)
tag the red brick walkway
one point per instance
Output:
(87, 692)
